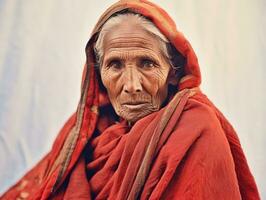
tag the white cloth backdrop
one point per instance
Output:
(42, 53)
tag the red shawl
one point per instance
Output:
(186, 150)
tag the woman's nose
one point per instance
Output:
(132, 81)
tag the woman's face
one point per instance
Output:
(134, 71)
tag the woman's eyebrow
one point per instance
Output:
(111, 58)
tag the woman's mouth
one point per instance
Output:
(134, 105)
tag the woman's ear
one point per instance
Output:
(172, 77)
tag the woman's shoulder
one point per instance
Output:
(200, 114)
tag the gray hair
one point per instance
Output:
(140, 20)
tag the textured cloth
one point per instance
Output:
(186, 150)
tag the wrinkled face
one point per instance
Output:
(134, 71)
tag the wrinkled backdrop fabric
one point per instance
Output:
(42, 53)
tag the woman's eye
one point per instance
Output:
(116, 64)
(147, 63)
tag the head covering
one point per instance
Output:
(144, 167)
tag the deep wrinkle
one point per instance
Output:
(136, 41)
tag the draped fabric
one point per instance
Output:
(186, 150)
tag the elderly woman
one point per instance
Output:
(143, 129)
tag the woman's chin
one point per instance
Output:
(132, 116)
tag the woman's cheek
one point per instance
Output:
(110, 82)
(152, 85)
(106, 79)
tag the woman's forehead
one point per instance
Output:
(127, 36)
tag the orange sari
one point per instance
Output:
(186, 150)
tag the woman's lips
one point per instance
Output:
(135, 105)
